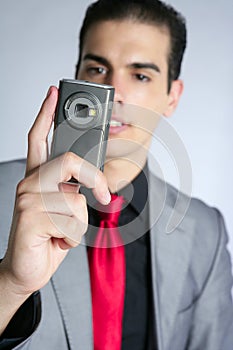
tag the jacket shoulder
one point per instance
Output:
(11, 173)
(207, 221)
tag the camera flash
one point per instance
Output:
(92, 112)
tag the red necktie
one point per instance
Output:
(107, 273)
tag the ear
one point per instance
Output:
(174, 97)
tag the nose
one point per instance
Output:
(118, 83)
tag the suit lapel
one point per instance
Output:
(71, 285)
(170, 255)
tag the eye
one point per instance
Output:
(96, 70)
(142, 77)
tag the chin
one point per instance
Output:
(124, 148)
(117, 149)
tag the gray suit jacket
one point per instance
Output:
(191, 272)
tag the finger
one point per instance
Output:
(38, 135)
(69, 204)
(70, 229)
(50, 225)
(69, 187)
(61, 169)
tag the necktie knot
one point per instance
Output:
(110, 213)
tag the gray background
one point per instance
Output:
(39, 45)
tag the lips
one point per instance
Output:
(116, 126)
(115, 123)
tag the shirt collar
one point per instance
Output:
(136, 193)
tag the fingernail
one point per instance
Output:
(107, 197)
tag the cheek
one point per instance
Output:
(153, 99)
(142, 117)
(139, 96)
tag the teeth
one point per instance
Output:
(115, 123)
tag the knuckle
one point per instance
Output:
(21, 187)
(68, 159)
(84, 229)
(79, 204)
(73, 230)
(83, 221)
(72, 243)
(79, 224)
(81, 228)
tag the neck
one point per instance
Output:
(121, 171)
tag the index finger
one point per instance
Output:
(38, 134)
(50, 175)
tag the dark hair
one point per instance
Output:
(143, 11)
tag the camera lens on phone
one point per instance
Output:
(82, 109)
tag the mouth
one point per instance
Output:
(115, 123)
(116, 126)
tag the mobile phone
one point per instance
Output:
(82, 120)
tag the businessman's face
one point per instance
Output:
(133, 57)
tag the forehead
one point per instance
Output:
(127, 39)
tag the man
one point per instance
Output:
(177, 293)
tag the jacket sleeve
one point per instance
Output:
(212, 327)
(23, 324)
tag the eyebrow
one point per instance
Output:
(146, 66)
(102, 60)
(136, 65)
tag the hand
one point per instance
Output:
(50, 217)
